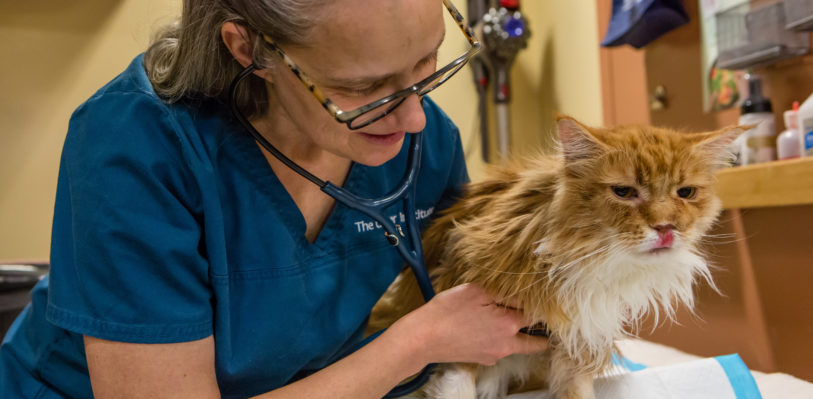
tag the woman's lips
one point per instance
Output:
(383, 139)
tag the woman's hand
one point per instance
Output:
(465, 324)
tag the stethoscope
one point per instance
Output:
(408, 244)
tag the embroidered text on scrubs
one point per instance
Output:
(364, 225)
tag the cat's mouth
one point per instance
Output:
(663, 241)
(660, 250)
(658, 247)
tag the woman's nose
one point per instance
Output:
(409, 116)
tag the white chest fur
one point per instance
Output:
(606, 297)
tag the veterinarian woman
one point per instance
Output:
(189, 262)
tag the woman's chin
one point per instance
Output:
(379, 155)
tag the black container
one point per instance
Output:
(16, 281)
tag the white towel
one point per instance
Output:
(723, 377)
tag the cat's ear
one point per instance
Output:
(716, 144)
(578, 143)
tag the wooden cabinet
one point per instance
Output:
(763, 245)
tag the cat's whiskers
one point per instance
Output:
(562, 267)
(555, 272)
(552, 272)
(720, 241)
(726, 235)
(576, 275)
(507, 272)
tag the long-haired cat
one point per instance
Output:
(586, 241)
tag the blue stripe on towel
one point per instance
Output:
(626, 363)
(739, 376)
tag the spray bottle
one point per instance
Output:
(789, 142)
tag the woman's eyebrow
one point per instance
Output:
(365, 80)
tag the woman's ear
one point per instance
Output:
(238, 40)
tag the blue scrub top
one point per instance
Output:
(170, 226)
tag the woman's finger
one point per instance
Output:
(528, 344)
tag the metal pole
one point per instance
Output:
(503, 129)
(505, 32)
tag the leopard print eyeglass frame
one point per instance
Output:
(369, 113)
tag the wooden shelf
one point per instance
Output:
(778, 183)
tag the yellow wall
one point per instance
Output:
(56, 54)
(557, 72)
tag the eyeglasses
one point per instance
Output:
(367, 114)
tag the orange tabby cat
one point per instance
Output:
(586, 241)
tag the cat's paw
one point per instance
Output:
(573, 395)
(453, 383)
(577, 391)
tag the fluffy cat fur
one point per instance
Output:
(563, 238)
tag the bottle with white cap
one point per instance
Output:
(789, 142)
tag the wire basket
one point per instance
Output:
(799, 15)
(756, 38)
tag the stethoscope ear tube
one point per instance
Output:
(235, 110)
(411, 249)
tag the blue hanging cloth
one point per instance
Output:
(639, 22)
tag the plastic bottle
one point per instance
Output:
(806, 127)
(759, 144)
(789, 142)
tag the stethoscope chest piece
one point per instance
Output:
(392, 238)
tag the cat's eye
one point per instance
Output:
(687, 192)
(624, 192)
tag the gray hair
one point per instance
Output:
(188, 59)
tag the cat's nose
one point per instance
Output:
(663, 228)
(665, 237)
